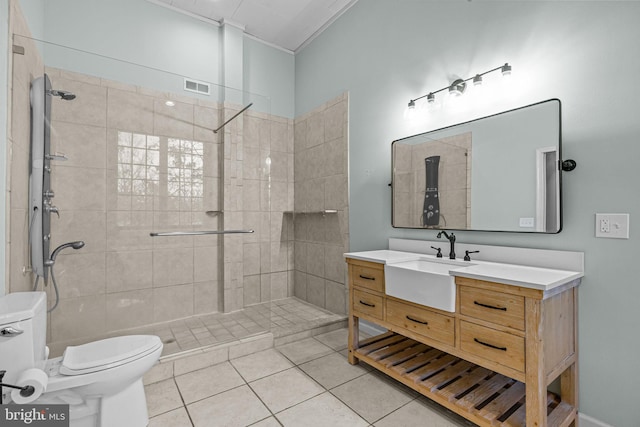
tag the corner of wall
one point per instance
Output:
(4, 137)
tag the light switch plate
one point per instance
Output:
(612, 226)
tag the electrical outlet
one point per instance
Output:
(612, 226)
(527, 222)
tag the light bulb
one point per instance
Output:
(457, 88)
(410, 112)
(506, 69)
(454, 91)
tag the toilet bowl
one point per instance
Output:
(100, 381)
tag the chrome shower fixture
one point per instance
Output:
(75, 245)
(63, 94)
(50, 263)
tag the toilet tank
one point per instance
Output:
(26, 312)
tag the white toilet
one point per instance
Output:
(101, 381)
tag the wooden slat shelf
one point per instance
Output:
(479, 394)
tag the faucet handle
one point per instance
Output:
(52, 209)
(439, 254)
(466, 255)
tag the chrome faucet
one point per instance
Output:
(452, 240)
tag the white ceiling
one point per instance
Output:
(284, 23)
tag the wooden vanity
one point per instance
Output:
(491, 361)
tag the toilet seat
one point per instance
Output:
(108, 353)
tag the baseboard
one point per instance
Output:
(587, 421)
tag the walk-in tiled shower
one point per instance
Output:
(143, 158)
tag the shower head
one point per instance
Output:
(67, 96)
(77, 245)
(73, 245)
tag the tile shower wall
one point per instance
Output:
(135, 166)
(454, 181)
(267, 191)
(321, 183)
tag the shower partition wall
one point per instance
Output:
(143, 158)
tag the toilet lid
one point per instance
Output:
(107, 353)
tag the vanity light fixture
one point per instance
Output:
(506, 70)
(458, 86)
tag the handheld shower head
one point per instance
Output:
(77, 245)
(51, 261)
(74, 245)
(67, 96)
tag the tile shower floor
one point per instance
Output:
(281, 317)
(303, 383)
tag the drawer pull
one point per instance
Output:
(367, 277)
(367, 304)
(490, 345)
(416, 320)
(490, 306)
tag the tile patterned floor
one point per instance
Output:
(303, 383)
(280, 317)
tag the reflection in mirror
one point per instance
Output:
(497, 173)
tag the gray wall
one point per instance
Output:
(34, 12)
(4, 102)
(387, 52)
(135, 31)
(271, 72)
(140, 32)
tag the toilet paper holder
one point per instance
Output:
(25, 391)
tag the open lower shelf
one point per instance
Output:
(485, 397)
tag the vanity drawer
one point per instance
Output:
(366, 303)
(495, 346)
(491, 306)
(369, 277)
(421, 321)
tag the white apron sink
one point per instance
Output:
(425, 282)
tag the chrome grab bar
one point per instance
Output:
(198, 233)
(323, 212)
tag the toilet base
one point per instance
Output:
(125, 408)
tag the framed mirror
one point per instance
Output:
(496, 173)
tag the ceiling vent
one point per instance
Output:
(197, 87)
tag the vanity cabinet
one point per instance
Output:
(491, 361)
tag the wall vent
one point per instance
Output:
(197, 87)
